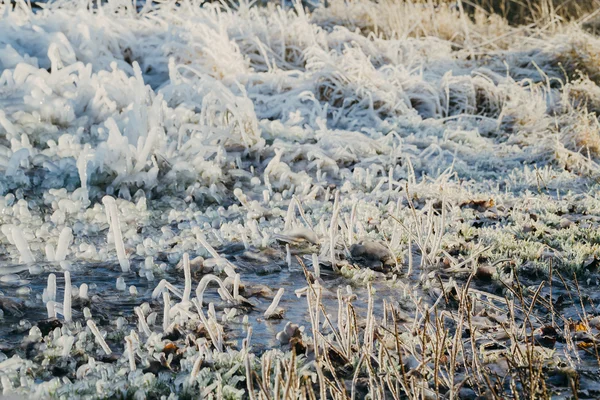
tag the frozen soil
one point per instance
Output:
(391, 200)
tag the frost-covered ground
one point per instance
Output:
(415, 187)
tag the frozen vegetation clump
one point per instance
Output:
(390, 199)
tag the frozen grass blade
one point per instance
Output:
(64, 241)
(188, 278)
(67, 298)
(51, 288)
(203, 284)
(333, 231)
(22, 245)
(315, 263)
(166, 311)
(115, 227)
(50, 308)
(142, 321)
(92, 325)
(130, 352)
(273, 307)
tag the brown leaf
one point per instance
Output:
(577, 326)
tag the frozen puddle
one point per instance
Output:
(111, 294)
(370, 199)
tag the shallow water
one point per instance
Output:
(107, 303)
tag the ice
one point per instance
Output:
(83, 291)
(67, 313)
(121, 284)
(52, 287)
(16, 234)
(241, 136)
(273, 307)
(64, 241)
(166, 311)
(188, 278)
(99, 338)
(115, 225)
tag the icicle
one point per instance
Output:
(92, 325)
(51, 309)
(52, 287)
(115, 225)
(236, 286)
(82, 162)
(271, 310)
(22, 245)
(50, 253)
(68, 341)
(83, 291)
(67, 299)
(64, 241)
